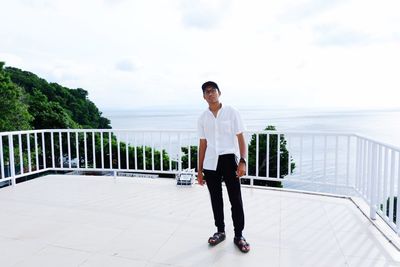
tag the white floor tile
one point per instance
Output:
(86, 238)
(14, 251)
(111, 261)
(51, 256)
(136, 244)
(321, 241)
(361, 245)
(301, 258)
(365, 262)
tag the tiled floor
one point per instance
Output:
(102, 221)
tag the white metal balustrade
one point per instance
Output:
(337, 163)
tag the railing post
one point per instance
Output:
(135, 143)
(12, 166)
(28, 144)
(110, 147)
(257, 152)
(189, 153)
(44, 151)
(161, 153)
(278, 156)
(94, 149)
(152, 152)
(2, 165)
(348, 162)
(85, 148)
(61, 151)
(36, 152)
(358, 160)
(336, 160)
(398, 197)
(325, 154)
(126, 150)
(179, 153)
(119, 149)
(289, 143)
(53, 164)
(266, 158)
(144, 151)
(312, 158)
(247, 165)
(169, 147)
(373, 185)
(69, 148)
(21, 158)
(102, 149)
(77, 149)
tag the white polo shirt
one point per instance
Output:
(220, 133)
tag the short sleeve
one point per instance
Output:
(200, 128)
(238, 125)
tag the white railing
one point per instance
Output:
(378, 179)
(337, 163)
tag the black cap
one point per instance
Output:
(208, 84)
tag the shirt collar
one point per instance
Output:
(218, 113)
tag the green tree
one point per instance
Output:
(14, 113)
(65, 102)
(193, 157)
(48, 114)
(283, 158)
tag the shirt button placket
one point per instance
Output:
(216, 142)
(216, 134)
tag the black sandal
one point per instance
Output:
(242, 244)
(216, 239)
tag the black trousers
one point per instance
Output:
(226, 171)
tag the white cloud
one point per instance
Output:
(270, 53)
(125, 65)
(204, 13)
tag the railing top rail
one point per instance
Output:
(20, 132)
(378, 142)
(93, 130)
(174, 131)
(123, 130)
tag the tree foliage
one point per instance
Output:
(49, 114)
(14, 114)
(50, 105)
(271, 160)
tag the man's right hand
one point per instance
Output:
(200, 178)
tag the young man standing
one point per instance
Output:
(222, 154)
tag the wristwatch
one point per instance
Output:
(242, 160)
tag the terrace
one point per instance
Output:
(337, 207)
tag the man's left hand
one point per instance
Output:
(241, 170)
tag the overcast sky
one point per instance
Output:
(142, 53)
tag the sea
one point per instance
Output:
(379, 124)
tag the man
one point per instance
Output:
(222, 154)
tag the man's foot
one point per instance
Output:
(242, 244)
(216, 238)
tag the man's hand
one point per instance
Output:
(200, 178)
(241, 169)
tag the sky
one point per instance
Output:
(132, 54)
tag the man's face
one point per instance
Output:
(211, 95)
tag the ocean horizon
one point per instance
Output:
(379, 124)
